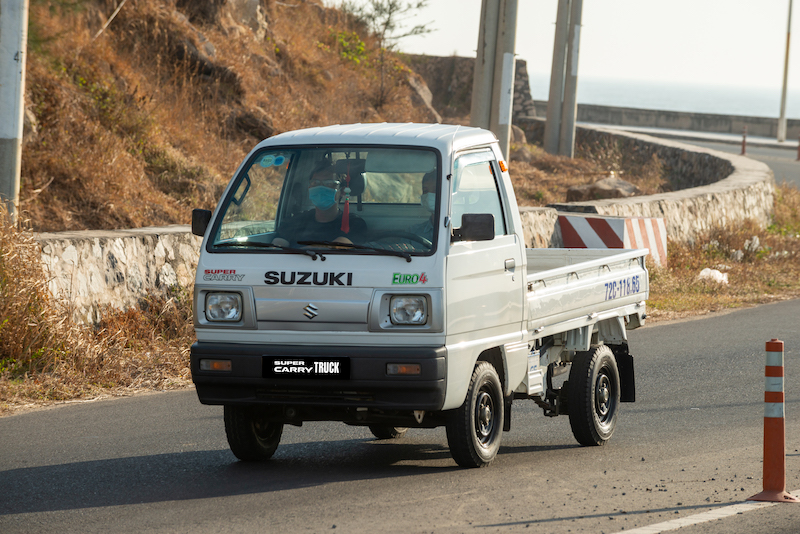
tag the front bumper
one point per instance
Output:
(368, 387)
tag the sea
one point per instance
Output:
(717, 99)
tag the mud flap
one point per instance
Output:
(626, 376)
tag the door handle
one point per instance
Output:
(510, 264)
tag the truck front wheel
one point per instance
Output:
(251, 437)
(594, 393)
(474, 429)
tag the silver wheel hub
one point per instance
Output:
(486, 415)
(484, 419)
(603, 395)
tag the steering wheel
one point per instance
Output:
(406, 235)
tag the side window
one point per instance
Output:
(475, 189)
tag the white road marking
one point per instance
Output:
(711, 515)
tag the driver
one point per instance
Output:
(324, 222)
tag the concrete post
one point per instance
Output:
(480, 112)
(13, 41)
(504, 65)
(552, 127)
(782, 118)
(569, 111)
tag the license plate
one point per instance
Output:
(313, 367)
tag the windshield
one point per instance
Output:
(355, 200)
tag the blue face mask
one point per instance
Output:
(322, 197)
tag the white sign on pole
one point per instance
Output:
(13, 41)
(506, 90)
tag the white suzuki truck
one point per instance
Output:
(376, 274)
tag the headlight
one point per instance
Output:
(408, 309)
(223, 307)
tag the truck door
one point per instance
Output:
(485, 279)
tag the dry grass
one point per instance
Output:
(45, 358)
(762, 266)
(101, 158)
(150, 119)
(546, 179)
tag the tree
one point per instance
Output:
(386, 19)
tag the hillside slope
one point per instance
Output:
(134, 120)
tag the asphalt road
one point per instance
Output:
(782, 161)
(691, 443)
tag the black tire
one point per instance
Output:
(388, 432)
(594, 396)
(251, 437)
(474, 429)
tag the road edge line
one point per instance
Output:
(711, 515)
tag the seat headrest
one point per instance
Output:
(355, 168)
(357, 184)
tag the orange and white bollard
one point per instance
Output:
(774, 429)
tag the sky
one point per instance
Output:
(732, 43)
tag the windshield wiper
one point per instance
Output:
(270, 245)
(383, 251)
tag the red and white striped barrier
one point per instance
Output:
(580, 231)
(774, 429)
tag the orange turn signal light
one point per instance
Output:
(215, 365)
(401, 369)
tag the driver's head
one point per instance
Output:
(429, 182)
(323, 187)
(428, 197)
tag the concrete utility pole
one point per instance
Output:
(559, 133)
(493, 83)
(504, 69)
(13, 49)
(481, 108)
(569, 111)
(552, 125)
(782, 118)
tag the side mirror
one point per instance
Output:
(200, 220)
(475, 227)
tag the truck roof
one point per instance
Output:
(445, 137)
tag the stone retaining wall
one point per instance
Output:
(94, 269)
(716, 188)
(540, 228)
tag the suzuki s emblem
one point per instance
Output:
(311, 311)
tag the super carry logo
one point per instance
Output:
(409, 279)
(313, 367)
(222, 275)
(306, 278)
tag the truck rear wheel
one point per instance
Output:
(251, 437)
(387, 432)
(474, 429)
(594, 393)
